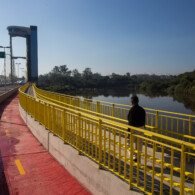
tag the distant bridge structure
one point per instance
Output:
(31, 47)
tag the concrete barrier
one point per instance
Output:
(97, 181)
(7, 94)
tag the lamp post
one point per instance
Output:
(18, 68)
(24, 75)
(21, 69)
(5, 63)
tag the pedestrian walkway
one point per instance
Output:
(25, 166)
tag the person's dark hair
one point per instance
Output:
(134, 99)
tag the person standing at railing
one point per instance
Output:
(137, 118)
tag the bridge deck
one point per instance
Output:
(25, 166)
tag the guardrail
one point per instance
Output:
(7, 94)
(161, 166)
(176, 125)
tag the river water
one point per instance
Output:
(159, 102)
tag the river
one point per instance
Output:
(179, 104)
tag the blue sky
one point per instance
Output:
(136, 36)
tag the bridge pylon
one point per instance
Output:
(31, 50)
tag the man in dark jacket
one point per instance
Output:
(136, 118)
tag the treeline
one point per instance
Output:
(183, 83)
(61, 79)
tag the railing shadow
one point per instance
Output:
(6, 102)
(4, 190)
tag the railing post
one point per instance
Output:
(157, 119)
(190, 125)
(182, 170)
(79, 104)
(49, 117)
(100, 143)
(113, 108)
(70, 100)
(98, 106)
(190, 133)
(78, 137)
(38, 105)
(40, 119)
(35, 108)
(131, 158)
(45, 114)
(87, 105)
(26, 103)
(32, 107)
(63, 125)
(194, 180)
(54, 120)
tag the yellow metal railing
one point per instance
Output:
(162, 169)
(176, 125)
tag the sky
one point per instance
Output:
(120, 36)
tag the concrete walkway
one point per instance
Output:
(25, 166)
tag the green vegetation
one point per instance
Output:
(183, 83)
(61, 79)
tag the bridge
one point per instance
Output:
(97, 130)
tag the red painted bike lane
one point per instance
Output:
(25, 166)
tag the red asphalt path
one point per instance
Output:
(37, 172)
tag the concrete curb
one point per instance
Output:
(7, 94)
(98, 182)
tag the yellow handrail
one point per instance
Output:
(86, 99)
(174, 126)
(108, 143)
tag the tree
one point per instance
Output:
(128, 74)
(97, 75)
(76, 73)
(87, 73)
(64, 70)
(56, 70)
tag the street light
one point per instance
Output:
(5, 63)
(18, 69)
(21, 69)
(24, 74)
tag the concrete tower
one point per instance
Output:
(31, 49)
